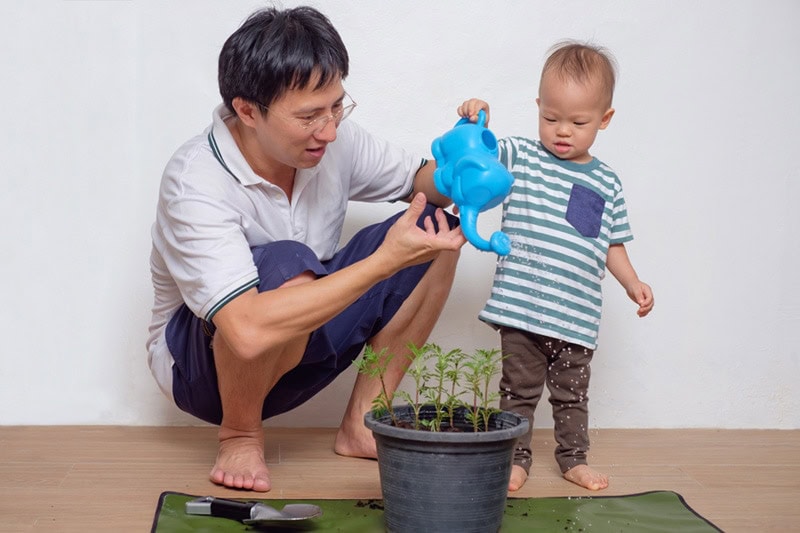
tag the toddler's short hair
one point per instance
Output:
(583, 62)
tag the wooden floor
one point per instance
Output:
(85, 479)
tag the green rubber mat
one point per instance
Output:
(647, 512)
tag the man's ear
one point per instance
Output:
(246, 110)
(606, 118)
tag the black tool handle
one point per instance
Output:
(233, 509)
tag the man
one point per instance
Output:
(255, 308)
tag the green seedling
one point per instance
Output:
(373, 364)
(440, 380)
(481, 368)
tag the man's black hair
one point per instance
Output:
(277, 50)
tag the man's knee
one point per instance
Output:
(430, 212)
(283, 262)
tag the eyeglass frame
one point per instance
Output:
(322, 120)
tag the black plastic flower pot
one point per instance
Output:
(444, 481)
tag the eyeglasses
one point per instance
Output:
(316, 123)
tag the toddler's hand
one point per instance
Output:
(469, 109)
(642, 294)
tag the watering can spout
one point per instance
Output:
(498, 243)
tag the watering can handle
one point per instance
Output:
(480, 122)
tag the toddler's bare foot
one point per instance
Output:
(240, 461)
(586, 477)
(354, 440)
(518, 478)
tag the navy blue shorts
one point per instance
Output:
(331, 349)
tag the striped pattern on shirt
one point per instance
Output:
(550, 283)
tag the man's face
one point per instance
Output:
(284, 137)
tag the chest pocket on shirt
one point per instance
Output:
(585, 211)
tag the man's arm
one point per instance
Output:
(423, 183)
(254, 323)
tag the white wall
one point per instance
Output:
(97, 95)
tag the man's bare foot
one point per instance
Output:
(586, 477)
(518, 478)
(240, 461)
(354, 440)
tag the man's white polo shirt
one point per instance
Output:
(213, 209)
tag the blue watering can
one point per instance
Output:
(469, 173)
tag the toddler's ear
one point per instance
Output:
(604, 122)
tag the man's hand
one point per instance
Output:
(406, 244)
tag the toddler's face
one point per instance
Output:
(570, 115)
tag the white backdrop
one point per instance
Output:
(97, 95)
